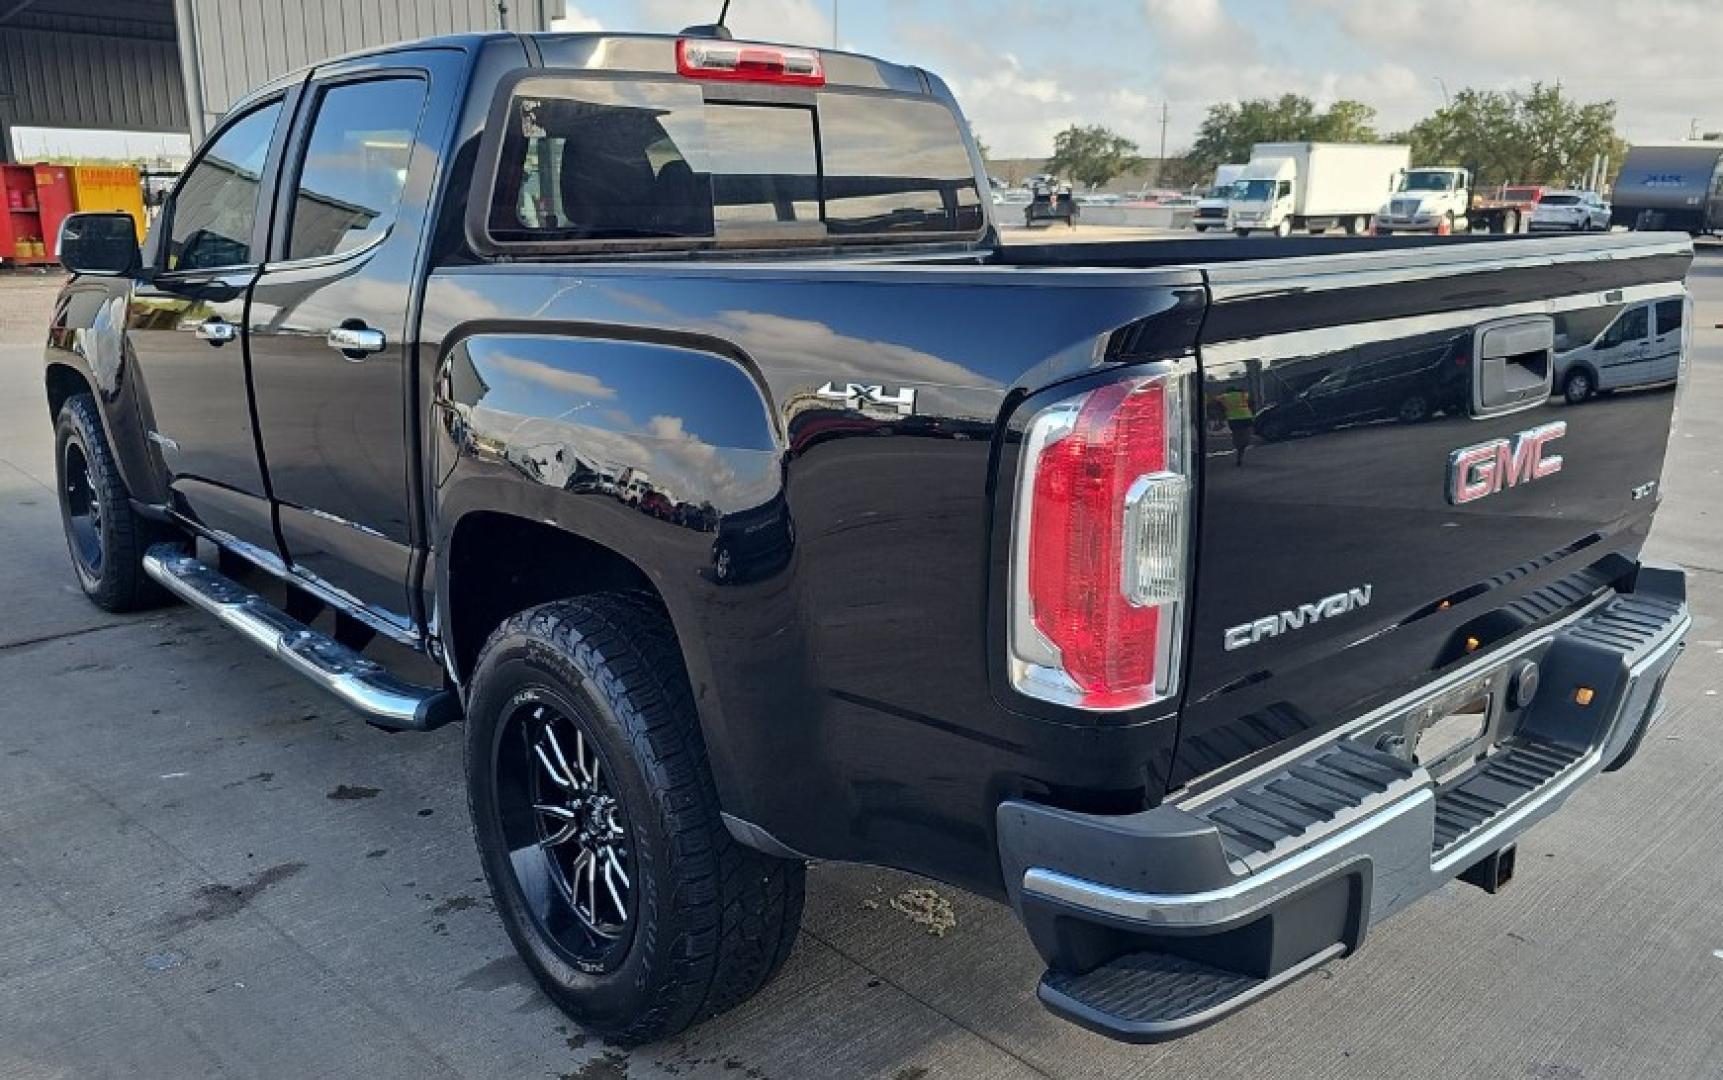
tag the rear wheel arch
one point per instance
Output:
(496, 564)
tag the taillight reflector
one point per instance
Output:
(1099, 547)
(742, 62)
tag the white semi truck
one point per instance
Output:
(1315, 186)
(1439, 199)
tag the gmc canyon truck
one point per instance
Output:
(666, 409)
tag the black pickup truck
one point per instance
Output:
(667, 410)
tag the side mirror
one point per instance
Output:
(99, 243)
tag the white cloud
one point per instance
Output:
(795, 22)
(1657, 59)
(1191, 22)
(574, 21)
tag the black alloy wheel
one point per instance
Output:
(567, 834)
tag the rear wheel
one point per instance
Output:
(1358, 226)
(1578, 386)
(105, 536)
(598, 826)
(1510, 221)
(1241, 232)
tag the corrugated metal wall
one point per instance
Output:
(121, 63)
(242, 44)
(91, 67)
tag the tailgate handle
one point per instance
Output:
(1515, 366)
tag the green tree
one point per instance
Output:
(1536, 136)
(1091, 155)
(1232, 128)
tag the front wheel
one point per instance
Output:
(1241, 232)
(105, 535)
(1578, 386)
(598, 825)
(1284, 229)
(1202, 228)
(1414, 410)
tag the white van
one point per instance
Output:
(1640, 347)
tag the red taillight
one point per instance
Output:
(1099, 550)
(740, 62)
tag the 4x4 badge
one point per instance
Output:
(862, 395)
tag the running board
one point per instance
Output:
(365, 686)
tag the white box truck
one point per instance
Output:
(1315, 186)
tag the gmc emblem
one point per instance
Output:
(1484, 469)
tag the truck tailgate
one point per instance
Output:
(1364, 519)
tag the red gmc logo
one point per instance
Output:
(1484, 469)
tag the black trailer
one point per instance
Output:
(1675, 186)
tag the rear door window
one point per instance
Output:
(355, 165)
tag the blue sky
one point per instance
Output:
(1023, 69)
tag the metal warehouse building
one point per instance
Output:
(176, 65)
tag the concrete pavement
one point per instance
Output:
(208, 869)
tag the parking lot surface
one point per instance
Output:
(208, 869)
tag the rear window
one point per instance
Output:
(604, 160)
(1560, 200)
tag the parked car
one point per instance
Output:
(385, 282)
(1570, 211)
(1642, 346)
(1410, 385)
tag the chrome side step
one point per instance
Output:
(365, 686)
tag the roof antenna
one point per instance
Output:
(713, 30)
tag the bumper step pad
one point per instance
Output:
(1507, 778)
(1152, 997)
(1316, 792)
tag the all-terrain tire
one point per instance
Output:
(714, 920)
(107, 546)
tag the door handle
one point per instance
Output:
(217, 332)
(356, 341)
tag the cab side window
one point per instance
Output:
(355, 167)
(1633, 325)
(215, 209)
